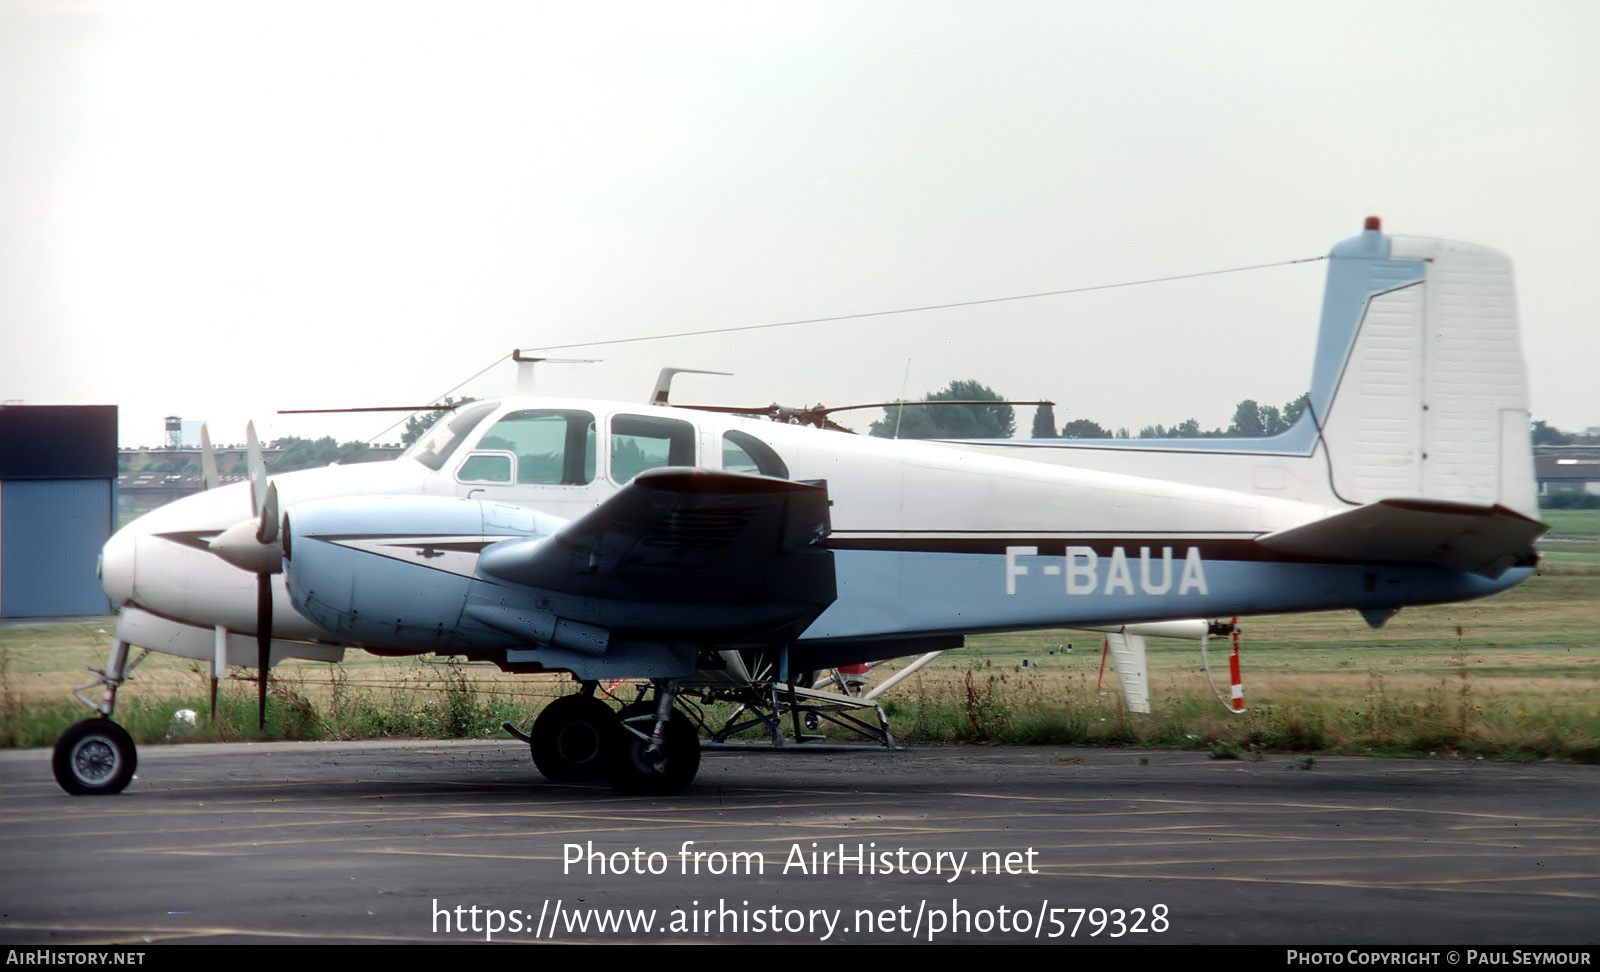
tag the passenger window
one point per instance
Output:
(640, 442)
(545, 447)
(744, 453)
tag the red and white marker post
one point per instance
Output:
(1233, 667)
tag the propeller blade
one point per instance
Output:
(267, 522)
(817, 415)
(208, 459)
(263, 645)
(371, 408)
(964, 401)
(257, 467)
(733, 409)
(664, 381)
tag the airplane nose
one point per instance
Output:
(115, 568)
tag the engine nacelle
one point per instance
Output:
(396, 573)
(678, 562)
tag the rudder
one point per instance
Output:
(1420, 389)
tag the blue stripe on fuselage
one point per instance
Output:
(888, 593)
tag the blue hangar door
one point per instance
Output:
(51, 532)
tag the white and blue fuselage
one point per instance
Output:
(1412, 452)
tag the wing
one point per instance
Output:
(694, 552)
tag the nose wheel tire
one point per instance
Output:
(667, 771)
(94, 757)
(569, 739)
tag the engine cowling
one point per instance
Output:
(396, 573)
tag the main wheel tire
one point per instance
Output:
(660, 774)
(570, 738)
(94, 757)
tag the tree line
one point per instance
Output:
(1250, 420)
(292, 453)
(998, 421)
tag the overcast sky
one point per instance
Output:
(219, 209)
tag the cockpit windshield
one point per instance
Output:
(447, 434)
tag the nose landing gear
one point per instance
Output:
(96, 757)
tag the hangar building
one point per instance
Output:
(58, 474)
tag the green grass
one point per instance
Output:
(370, 699)
(1514, 703)
(1579, 523)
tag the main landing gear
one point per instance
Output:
(646, 748)
(653, 755)
(97, 757)
(569, 738)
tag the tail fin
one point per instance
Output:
(1419, 389)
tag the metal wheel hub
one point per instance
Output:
(95, 760)
(578, 742)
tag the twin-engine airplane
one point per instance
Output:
(612, 540)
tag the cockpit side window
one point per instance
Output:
(744, 453)
(439, 442)
(640, 442)
(550, 447)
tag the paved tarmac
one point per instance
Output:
(398, 841)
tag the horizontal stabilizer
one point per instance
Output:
(1482, 540)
